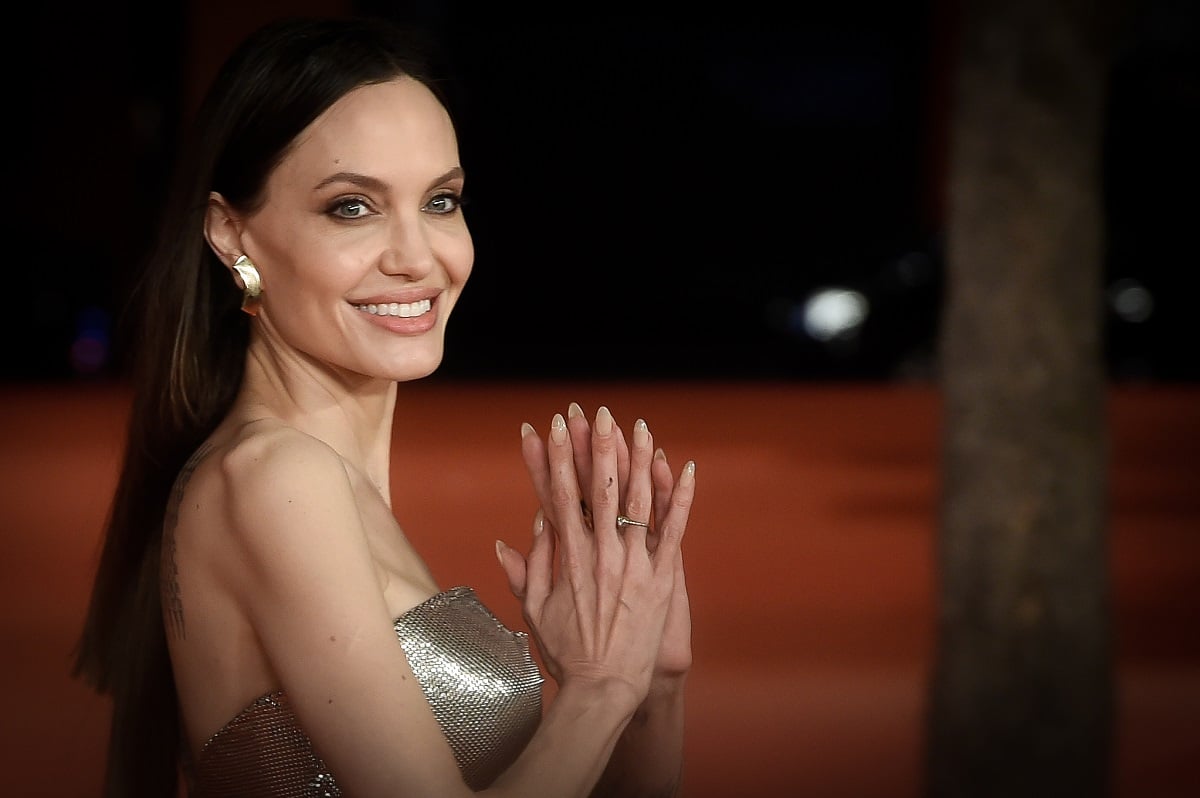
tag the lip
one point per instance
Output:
(417, 325)
(405, 296)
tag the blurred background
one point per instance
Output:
(729, 222)
(760, 192)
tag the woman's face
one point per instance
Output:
(361, 243)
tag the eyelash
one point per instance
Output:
(339, 205)
(457, 199)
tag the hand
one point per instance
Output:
(645, 488)
(675, 653)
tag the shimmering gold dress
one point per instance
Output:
(478, 676)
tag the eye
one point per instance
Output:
(444, 203)
(349, 208)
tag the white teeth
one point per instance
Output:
(405, 310)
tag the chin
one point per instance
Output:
(417, 367)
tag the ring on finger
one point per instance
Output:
(623, 522)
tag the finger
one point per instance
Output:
(581, 442)
(581, 448)
(622, 464)
(676, 518)
(533, 452)
(567, 521)
(563, 508)
(639, 499)
(604, 490)
(540, 564)
(640, 492)
(513, 565)
(610, 551)
(664, 483)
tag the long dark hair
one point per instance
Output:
(191, 353)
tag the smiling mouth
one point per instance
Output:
(405, 310)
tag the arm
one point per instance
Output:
(311, 593)
(647, 760)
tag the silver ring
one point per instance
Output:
(622, 521)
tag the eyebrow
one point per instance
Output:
(375, 184)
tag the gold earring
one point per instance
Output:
(251, 284)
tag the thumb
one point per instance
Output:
(513, 564)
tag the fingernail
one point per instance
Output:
(689, 473)
(659, 454)
(604, 422)
(500, 549)
(527, 429)
(574, 410)
(558, 429)
(539, 523)
(641, 433)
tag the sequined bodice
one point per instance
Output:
(478, 677)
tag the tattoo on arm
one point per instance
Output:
(172, 596)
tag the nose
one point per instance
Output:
(408, 252)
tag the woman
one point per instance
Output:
(254, 584)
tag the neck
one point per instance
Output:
(350, 412)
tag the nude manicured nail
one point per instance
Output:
(527, 429)
(574, 410)
(659, 454)
(641, 433)
(558, 429)
(689, 473)
(500, 549)
(604, 421)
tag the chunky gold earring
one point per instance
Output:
(251, 284)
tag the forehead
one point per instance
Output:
(393, 130)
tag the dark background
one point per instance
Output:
(652, 195)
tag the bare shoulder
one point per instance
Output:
(268, 449)
(273, 475)
(257, 488)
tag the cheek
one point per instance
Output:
(459, 259)
(305, 284)
(458, 262)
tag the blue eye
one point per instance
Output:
(444, 203)
(350, 208)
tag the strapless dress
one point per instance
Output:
(478, 676)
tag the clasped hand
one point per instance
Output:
(603, 602)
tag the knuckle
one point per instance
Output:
(606, 495)
(637, 507)
(562, 497)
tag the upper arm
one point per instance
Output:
(309, 590)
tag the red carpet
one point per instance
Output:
(809, 557)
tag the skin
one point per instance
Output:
(648, 757)
(283, 561)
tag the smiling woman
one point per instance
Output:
(375, 229)
(260, 618)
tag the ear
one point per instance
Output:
(222, 229)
